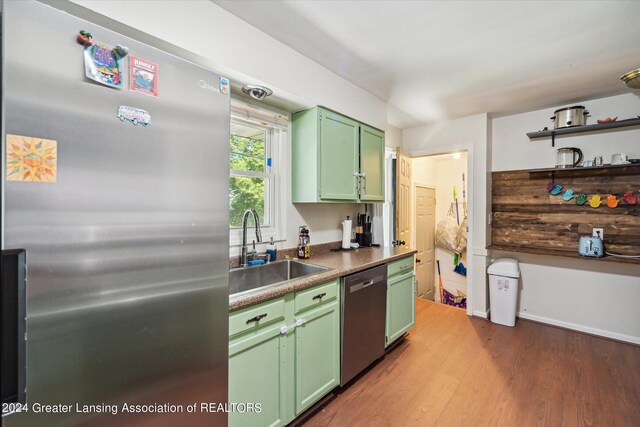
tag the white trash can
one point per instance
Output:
(503, 290)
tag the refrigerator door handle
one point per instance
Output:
(13, 331)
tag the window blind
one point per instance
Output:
(259, 115)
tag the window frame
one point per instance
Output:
(275, 139)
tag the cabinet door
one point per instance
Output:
(257, 375)
(317, 354)
(338, 150)
(401, 306)
(371, 164)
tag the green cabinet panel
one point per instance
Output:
(286, 360)
(335, 159)
(257, 360)
(401, 300)
(317, 354)
(257, 372)
(371, 164)
(338, 157)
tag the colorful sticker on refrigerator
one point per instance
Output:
(134, 115)
(31, 159)
(224, 85)
(143, 76)
(103, 64)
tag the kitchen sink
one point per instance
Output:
(249, 278)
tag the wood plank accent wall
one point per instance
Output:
(526, 215)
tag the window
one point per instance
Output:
(255, 163)
(251, 179)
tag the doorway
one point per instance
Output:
(425, 202)
(443, 236)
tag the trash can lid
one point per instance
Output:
(504, 267)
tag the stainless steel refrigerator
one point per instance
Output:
(125, 234)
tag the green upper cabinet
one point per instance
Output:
(335, 159)
(371, 164)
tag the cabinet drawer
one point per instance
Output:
(403, 265)
(399, 278)
(316, 296)
(253, 317)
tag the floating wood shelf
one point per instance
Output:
(608, 170)
(581, 129)
(561, 253)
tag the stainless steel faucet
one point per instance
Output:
(256, 223)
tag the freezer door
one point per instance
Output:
(127, 250)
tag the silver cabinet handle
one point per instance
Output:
(404, 267)
(257, 318)
(367, 283)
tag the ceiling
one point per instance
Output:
(436, 60)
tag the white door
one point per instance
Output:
(425, 229)
(403, 199)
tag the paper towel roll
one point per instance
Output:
(346, 234)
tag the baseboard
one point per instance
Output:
(580, 328)
(483, 314)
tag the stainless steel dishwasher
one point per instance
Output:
(364, 309)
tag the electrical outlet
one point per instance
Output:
(598, 232)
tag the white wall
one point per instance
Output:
(512, 149)
(596, 297)
(471, 134)
(393, 137)
(241, 51)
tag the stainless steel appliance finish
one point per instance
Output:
(364, 308)
(568, 157)
(570, 116)
(254, 277)
(127, 252)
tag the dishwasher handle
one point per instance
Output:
(366, 283)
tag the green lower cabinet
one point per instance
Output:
(317, 354)
(257, 365)
(285, 370)
(401, 305)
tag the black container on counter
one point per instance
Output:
(363, 239)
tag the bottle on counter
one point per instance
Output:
(272, 251)
(303, 242)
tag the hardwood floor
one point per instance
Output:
(453, 370)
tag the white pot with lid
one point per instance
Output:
(570, 116)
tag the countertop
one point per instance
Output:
(339, 263)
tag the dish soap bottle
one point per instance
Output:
(303, 242)
(272, 251)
